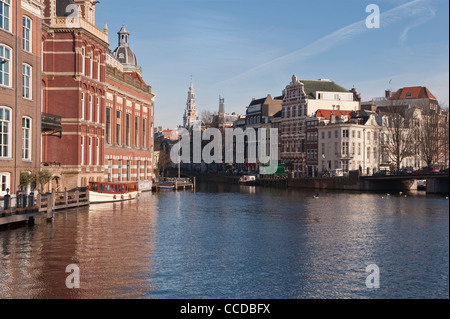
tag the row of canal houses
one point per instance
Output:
(324, 127)
(68, 103)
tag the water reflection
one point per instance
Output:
(231, 241)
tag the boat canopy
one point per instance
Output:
(113, 188)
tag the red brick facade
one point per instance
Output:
(20, 98)
(81, 86)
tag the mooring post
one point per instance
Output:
(66, 197)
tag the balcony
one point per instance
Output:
(79, 23)
(51, 125)
(345, 156)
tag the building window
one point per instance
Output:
(90, 151)
(82, 105)
(5, 66)
(5, 132)
(83, 61)
(90, 108)
(4, 183)
(98, 110)
(136, 131)
(82, 151)
(26, 81)
(345, 133)
(146, 170)
(91, 65)
(4, 14)
(97, 145)
(108, 125)
(26, 138)
(144, 133)
(128, 171)
(127, 129)
(138, 178)
(110, 168)
(118, 127)
(120, 170)
(98, 68)
(26, 34)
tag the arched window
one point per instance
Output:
(26, 34)
(26, 81)
(26, 138)
(5, 132)
(5, 179)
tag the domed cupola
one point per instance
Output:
(123, 52)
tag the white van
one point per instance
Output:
(337, 172)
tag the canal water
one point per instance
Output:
(229, 241)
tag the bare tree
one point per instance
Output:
(444, 137)
(399, 143)
(427, 130)
(209, 119)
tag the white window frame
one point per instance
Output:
(98, 68)
(82, 151)
(91, 65)
(27, 81)
(9, 130)
(27, 34)
(98, 109)
(90, 107)
(83, 60)
(90, 151)
(5, 68)
(83, 103)
(5, 183)
(5, 19)
(26, 138)
(97, 151)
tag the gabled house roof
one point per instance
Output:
(415, 92)
(312, 86)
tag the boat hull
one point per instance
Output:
(95, 197)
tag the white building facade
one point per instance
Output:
(350, 146)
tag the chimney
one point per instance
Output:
(388, 94)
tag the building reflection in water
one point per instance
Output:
(108, 242)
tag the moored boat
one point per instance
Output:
(104, 192)
(248, 180)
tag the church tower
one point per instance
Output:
(190, 117)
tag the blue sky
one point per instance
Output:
(244, 49)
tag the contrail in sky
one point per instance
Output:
(407, 10)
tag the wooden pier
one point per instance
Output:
(25, 208)
(179, 184)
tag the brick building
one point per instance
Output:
(20, 98)
(98, 97)
(129, 122)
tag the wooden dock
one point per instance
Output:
(25, 208)
(179, 184)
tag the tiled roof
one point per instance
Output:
(312, 86)
(327, 113)
(415, 92)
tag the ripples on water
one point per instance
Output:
(234, 242)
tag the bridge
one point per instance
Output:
(436, 183)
